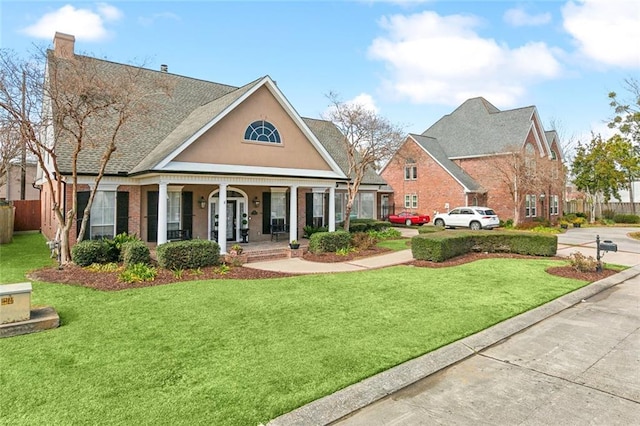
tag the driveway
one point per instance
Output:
(584, 241)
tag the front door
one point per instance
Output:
(231, 220)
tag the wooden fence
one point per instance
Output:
(27, 215)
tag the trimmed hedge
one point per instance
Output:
(133, 252)
(439, 247)
(364, 225)
(626, 218)
(189, 254)
(87, 252)
(329, 242)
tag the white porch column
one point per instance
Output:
(332, 209)
(293, 213)
(162, 213)
(222, 218)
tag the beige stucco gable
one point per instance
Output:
(224, 142)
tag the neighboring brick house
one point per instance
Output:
(208, 158)
(460, 161)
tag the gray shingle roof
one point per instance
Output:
(433, 147)
(331, 139)
(478, 128)
(192, 105)
(169, 112)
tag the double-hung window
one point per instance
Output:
(530, 205)
(103, 215)
(410, 173)
(173, 210)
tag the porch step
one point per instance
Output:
(269, 254)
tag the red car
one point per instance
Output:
(409, 218)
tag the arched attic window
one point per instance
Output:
(553, 155)
(262, 131)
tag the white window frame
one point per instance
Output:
(174, 206)
(410, 172)
(318, 207)
(414, 201)
(407, 201)
(530, 205)
(95, 214)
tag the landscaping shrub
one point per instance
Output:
(442, 246)
(188, 254)
(363, 240)
(138, 272)
(582, 263)
(329, 242)
(310, 230)
(134, 251)
(87, 252)
(626, 218)
(364, 225)
(608, 214)
(506, 223)
(385, 234)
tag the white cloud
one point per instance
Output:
(605, 31)
(365, 100)
(518, 17)
(442, 59)
(84, 24)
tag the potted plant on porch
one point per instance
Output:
(294, 244)
(244, 231)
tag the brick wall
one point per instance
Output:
(434, 186)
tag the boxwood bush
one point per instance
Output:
(87, 252)
(439, 247)
(190, 254)
(133, 252)
(329, 242)
(364, 225)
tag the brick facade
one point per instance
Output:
(436, 188)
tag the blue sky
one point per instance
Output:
(413, 61)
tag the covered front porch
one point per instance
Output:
(253, 212)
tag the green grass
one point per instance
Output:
(396, 245)
(238, 352)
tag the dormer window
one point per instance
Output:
(262, 131)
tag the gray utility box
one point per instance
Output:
(608, 245)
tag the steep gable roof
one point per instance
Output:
(477, 128)
(177, 120)
(435, 150)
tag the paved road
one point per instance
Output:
(584, 241)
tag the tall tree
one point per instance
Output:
(626, 120)
(517, 170)
(596, 172)
(70, 106)
(369, 140)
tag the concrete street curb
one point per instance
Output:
(340, 404)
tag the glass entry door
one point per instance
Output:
(231, 220)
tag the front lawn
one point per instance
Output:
(237, 352)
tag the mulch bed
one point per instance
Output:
(108, 281)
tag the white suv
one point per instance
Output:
(472, 217)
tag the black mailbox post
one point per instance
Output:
(606, 245)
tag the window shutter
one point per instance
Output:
(122, 212)
(187, 212)
(83, 200)
(266, 212)
(308, 208)
(152, 216)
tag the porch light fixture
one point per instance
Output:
(202, 202)
(256, 202)
(542, 197)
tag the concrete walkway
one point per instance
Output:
(301, 266)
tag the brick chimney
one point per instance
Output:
(63, 45)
